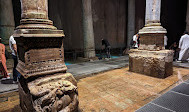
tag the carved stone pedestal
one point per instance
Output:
(152, 37)
(152, 63)
(152, 59)
(52, 93)
(44, 85)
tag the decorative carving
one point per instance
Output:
(50, 94)
(44, 85)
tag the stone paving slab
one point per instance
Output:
(113, 91)
(80, 70)
(8, 87)
(83, 69)
(123, 91)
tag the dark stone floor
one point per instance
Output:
(175, 100)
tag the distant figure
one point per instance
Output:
(136, 41)
(165, 41)
(184, 47)
(107, 47)
(13, 48)
(175, 48)
(3, 67)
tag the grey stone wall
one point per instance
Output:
(109, 20)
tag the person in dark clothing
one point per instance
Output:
(107, 47)
(175, 48)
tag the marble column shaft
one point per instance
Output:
(153, 8)
(7, 24)
(131, 21)
(34, 9)
(153, 33)
(88, 33)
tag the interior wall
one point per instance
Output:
(173, 18)
(109, 20)
(67, 15)
(17, 11)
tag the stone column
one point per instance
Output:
(88, 33)
(151, 58)
(44, 85)
(131, 21)
(153, 8)
(152, 26)
(7, 24)
(187, 17)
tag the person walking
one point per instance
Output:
(3, 67)
(184, 47)
(13, 48)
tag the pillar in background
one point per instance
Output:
(151, 58)
(88, 33)
(131, 21)
(44, 85)
(187, 17)
(7, 24)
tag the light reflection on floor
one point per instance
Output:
(68, 63)
(180, 79)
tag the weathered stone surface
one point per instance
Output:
(40, 56)
(44, 85)
(152, 63)
(53, 93)
(34, 9)
(151, 59)
(39, 43)
(152, 37)
(152, 41)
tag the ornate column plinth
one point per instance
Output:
(151, 58)
(44, 85)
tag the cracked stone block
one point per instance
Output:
(151, 63)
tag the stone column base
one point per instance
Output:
(51, 93)
(152, 63)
